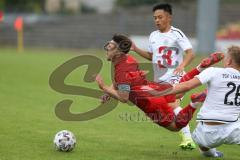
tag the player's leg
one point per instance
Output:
(189, 110)
(187, 142)
(186, 114)
(190, 75)
(212, 59)
(223, 134)
(234, 133)
(162, 114)
(186, 139)
(205, 63)
(159, 111)
(209, 137)
(210, 152)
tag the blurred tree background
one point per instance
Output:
(35, 6)
(134, 3)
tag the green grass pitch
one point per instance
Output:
(28, 122)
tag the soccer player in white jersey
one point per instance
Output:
(219, 116)
(167, 46)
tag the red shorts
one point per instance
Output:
(162, 87)
(156, 108)
(159, 111)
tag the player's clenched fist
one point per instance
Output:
(104, 98)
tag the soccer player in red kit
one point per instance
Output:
(130, 83)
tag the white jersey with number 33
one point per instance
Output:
(222, 103)
(167, 49)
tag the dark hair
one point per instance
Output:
(124, 43)
(166, 7)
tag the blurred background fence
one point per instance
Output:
(92, 26)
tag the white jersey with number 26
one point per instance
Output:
(222, 103)
(167, 49)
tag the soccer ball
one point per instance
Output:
(64, 141)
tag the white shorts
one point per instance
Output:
(211, 136)
(175, 79)
(171, 78)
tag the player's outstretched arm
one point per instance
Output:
(156, 92)
(177, 89)
(141, 52)
(185, 86)
(189, 55)
(105, 97)
(122, 96)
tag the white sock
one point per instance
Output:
(186, 130)
(200, 69)
(209, 153)
(177, 110)
(194, 105)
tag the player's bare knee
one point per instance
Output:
(174, 104)
(172, 127)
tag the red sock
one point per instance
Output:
(184, 116)
(189, 75)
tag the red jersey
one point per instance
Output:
(127, 72)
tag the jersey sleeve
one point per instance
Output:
(184, 42)
(206, 75)
(122, 82)
(121, 78)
